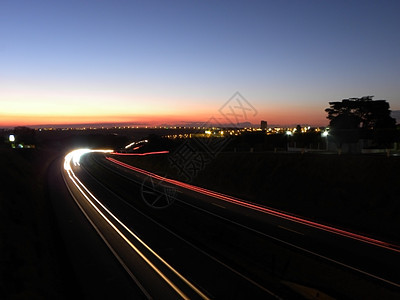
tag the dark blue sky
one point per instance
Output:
(182, 60)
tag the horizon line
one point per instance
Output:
(106, 125)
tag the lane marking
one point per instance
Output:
(166, 279)
(269, 236)
(79, 184)
(288, 229)
(134, 278)
(295, 246)
(264, 209)
(219, 205)
(178, 236)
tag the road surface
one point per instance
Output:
(175, 240)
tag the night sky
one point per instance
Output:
(158, 62)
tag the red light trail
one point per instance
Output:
(139, 154)
(260, 208)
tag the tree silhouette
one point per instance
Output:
(355, 117)
(25, 135)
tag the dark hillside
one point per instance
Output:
(29, 266)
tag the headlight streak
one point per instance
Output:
(263, 209)
(74, 157)
(189, 243)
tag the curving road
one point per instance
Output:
(175, 240)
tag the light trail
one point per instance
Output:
(74, 157)
(263, 209)
(139, 154)
(183, 239)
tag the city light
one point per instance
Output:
(11, 138)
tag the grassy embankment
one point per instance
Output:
(351, 191)
(29, 264)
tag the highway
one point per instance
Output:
(180, 241)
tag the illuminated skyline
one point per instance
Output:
(176, 62)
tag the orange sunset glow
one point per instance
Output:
(181, 149)
(275, 116)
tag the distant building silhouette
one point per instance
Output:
(263, 125)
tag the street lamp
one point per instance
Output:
(325, 135)
(288, 134)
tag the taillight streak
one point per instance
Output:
(263, 209)
(139, 154)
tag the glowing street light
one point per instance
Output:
(11, 138)
(325, 135)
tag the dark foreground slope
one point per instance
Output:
(352, 191)
(30, 265)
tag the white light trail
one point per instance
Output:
(74, 157)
